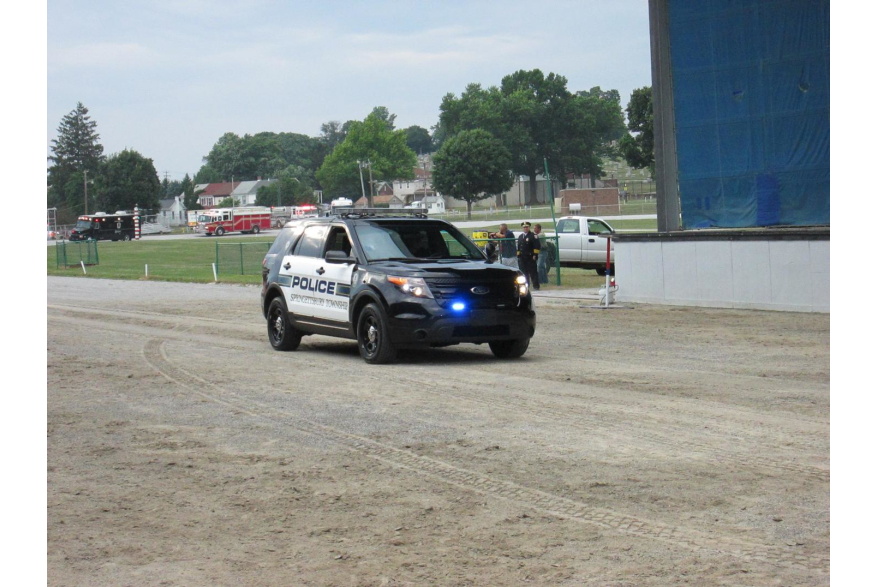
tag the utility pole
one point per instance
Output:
(361, 180)
(85, 187)
(371, 184)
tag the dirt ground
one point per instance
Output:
(646, 446)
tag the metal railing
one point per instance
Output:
(76, 253)
(240, 258)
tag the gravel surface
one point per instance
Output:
(647, 446)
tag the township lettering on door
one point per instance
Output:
(319, 292)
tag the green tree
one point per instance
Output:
(207, 174)
(292, 188)
(418, 139)
(383, 113)
(125, 180)
(638, 148)
(472, 165)
(190, 198)
(75, 152)
(536, 117)
(227, 202)
(373, 141)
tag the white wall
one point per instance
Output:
(764, 274)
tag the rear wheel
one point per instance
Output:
(372, 337)
(220, 231)
(281, 334)
(509, 349)
(256, 230)
(126, 238)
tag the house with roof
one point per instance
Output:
(173, 211)
(214, 193)
(380, 201)
(430, 201)
(245, 193)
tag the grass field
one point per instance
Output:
(190, 260)
(168, 260)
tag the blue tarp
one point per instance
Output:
(751, 98)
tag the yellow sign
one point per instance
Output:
(479, 237)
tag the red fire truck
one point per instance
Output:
(219, 221)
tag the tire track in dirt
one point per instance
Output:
(588, 422)
(155, 355)
(647, 405)
(585, 419)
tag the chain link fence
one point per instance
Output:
(240, 258)
(74, 254)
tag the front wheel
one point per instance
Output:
(281, 334)
(372, 337)
(509, 349)
(220, 231)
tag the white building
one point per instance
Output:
(173, 211)
(245, 192)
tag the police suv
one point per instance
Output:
(391, 279)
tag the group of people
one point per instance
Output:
(531, 252)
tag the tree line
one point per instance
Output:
(483, 139)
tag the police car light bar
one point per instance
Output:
(349, 212)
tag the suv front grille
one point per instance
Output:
(500, 292)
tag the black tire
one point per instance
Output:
(509, 349)
(601, 272)
(219, 231)
(372, 337)
(255, 230)
(126, 238)
(281, 334)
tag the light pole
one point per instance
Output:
(361, 180)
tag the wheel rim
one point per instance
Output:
(277, 325)
(370, 336)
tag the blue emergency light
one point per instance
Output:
(458, 306)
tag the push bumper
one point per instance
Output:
(450, 327)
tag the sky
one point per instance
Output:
(168, 78)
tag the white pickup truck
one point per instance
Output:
(582, 243)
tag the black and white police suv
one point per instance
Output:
(389, 280)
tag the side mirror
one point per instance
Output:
(338, 257)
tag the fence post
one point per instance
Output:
(217, 256)
(242, 258)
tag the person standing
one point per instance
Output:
(542, 262)
(528, 254)
(507, 250)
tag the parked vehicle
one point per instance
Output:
(582, 243)
(391, 280)
(219, 221)
(103, 226)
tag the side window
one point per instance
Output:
(598, 227)
(283, 240)
(338, 241)
(311, 242)
(568, 226)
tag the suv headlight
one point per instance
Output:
(414, 286)
(521, 285)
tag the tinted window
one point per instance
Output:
(284, 240)
(311, 242)
(338, 241)
(414, 241)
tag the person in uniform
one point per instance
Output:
(528, 255)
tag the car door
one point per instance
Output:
(298, 271)
(334, 279)
(597, 233)
(570, 246)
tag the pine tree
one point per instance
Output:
(75, 152)
(77, 144)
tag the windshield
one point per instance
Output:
(83, 224)
(415, 241)
(205, 218)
